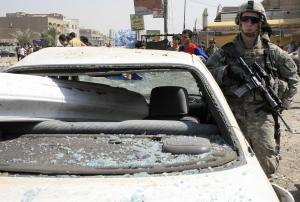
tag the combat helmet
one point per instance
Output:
(252, 6)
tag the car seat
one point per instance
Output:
(170, 103)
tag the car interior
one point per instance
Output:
(178, 133)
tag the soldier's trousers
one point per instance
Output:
(258, 129)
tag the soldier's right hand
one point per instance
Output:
(235, 73)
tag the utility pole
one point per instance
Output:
(166, 17)
(184, 14)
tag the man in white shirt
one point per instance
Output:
(22, 52)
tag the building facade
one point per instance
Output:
(282, 15)
(37, 23)
(95, 37)
(292, 6)
(71, 25)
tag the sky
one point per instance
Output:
(103, 15)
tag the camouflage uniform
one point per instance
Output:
(211, 50)
(250, 110)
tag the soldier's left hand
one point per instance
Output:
(285, 105)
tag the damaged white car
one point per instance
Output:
(109, 124)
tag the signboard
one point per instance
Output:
(137, 22)
(146, 7)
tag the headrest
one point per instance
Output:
(168, 101)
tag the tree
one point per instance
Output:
(50, 36)
(24, 37)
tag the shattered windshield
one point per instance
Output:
(110, 154)
(108, 125)
(148, 81)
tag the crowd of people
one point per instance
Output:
(181, 42)
(24, 50)
(71, 40)
(184, 43)
(65, 40)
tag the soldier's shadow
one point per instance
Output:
(296, 193)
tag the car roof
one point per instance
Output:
(98, 57)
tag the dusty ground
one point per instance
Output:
(7, 61)
(288, 175)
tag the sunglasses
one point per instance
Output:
(252, 19)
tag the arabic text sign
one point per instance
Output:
(137, 22)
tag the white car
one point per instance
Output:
(109, 124)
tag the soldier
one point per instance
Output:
(250, 109)
(212, 48)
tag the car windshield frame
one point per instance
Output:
(111, 69)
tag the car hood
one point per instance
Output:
(244, 183)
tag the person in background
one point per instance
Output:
(212, 48)
(189, 47)
(36, 47)
(74, 41)
(202, 46)
(63, 40)
(175, 43)
(85, 40)
(18, 51)
(22, 52)
(29, 49)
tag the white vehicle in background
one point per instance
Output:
(109, 124)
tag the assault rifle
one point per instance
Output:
(257, 75)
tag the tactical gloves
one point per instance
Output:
(285, 104)
(236, 73)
